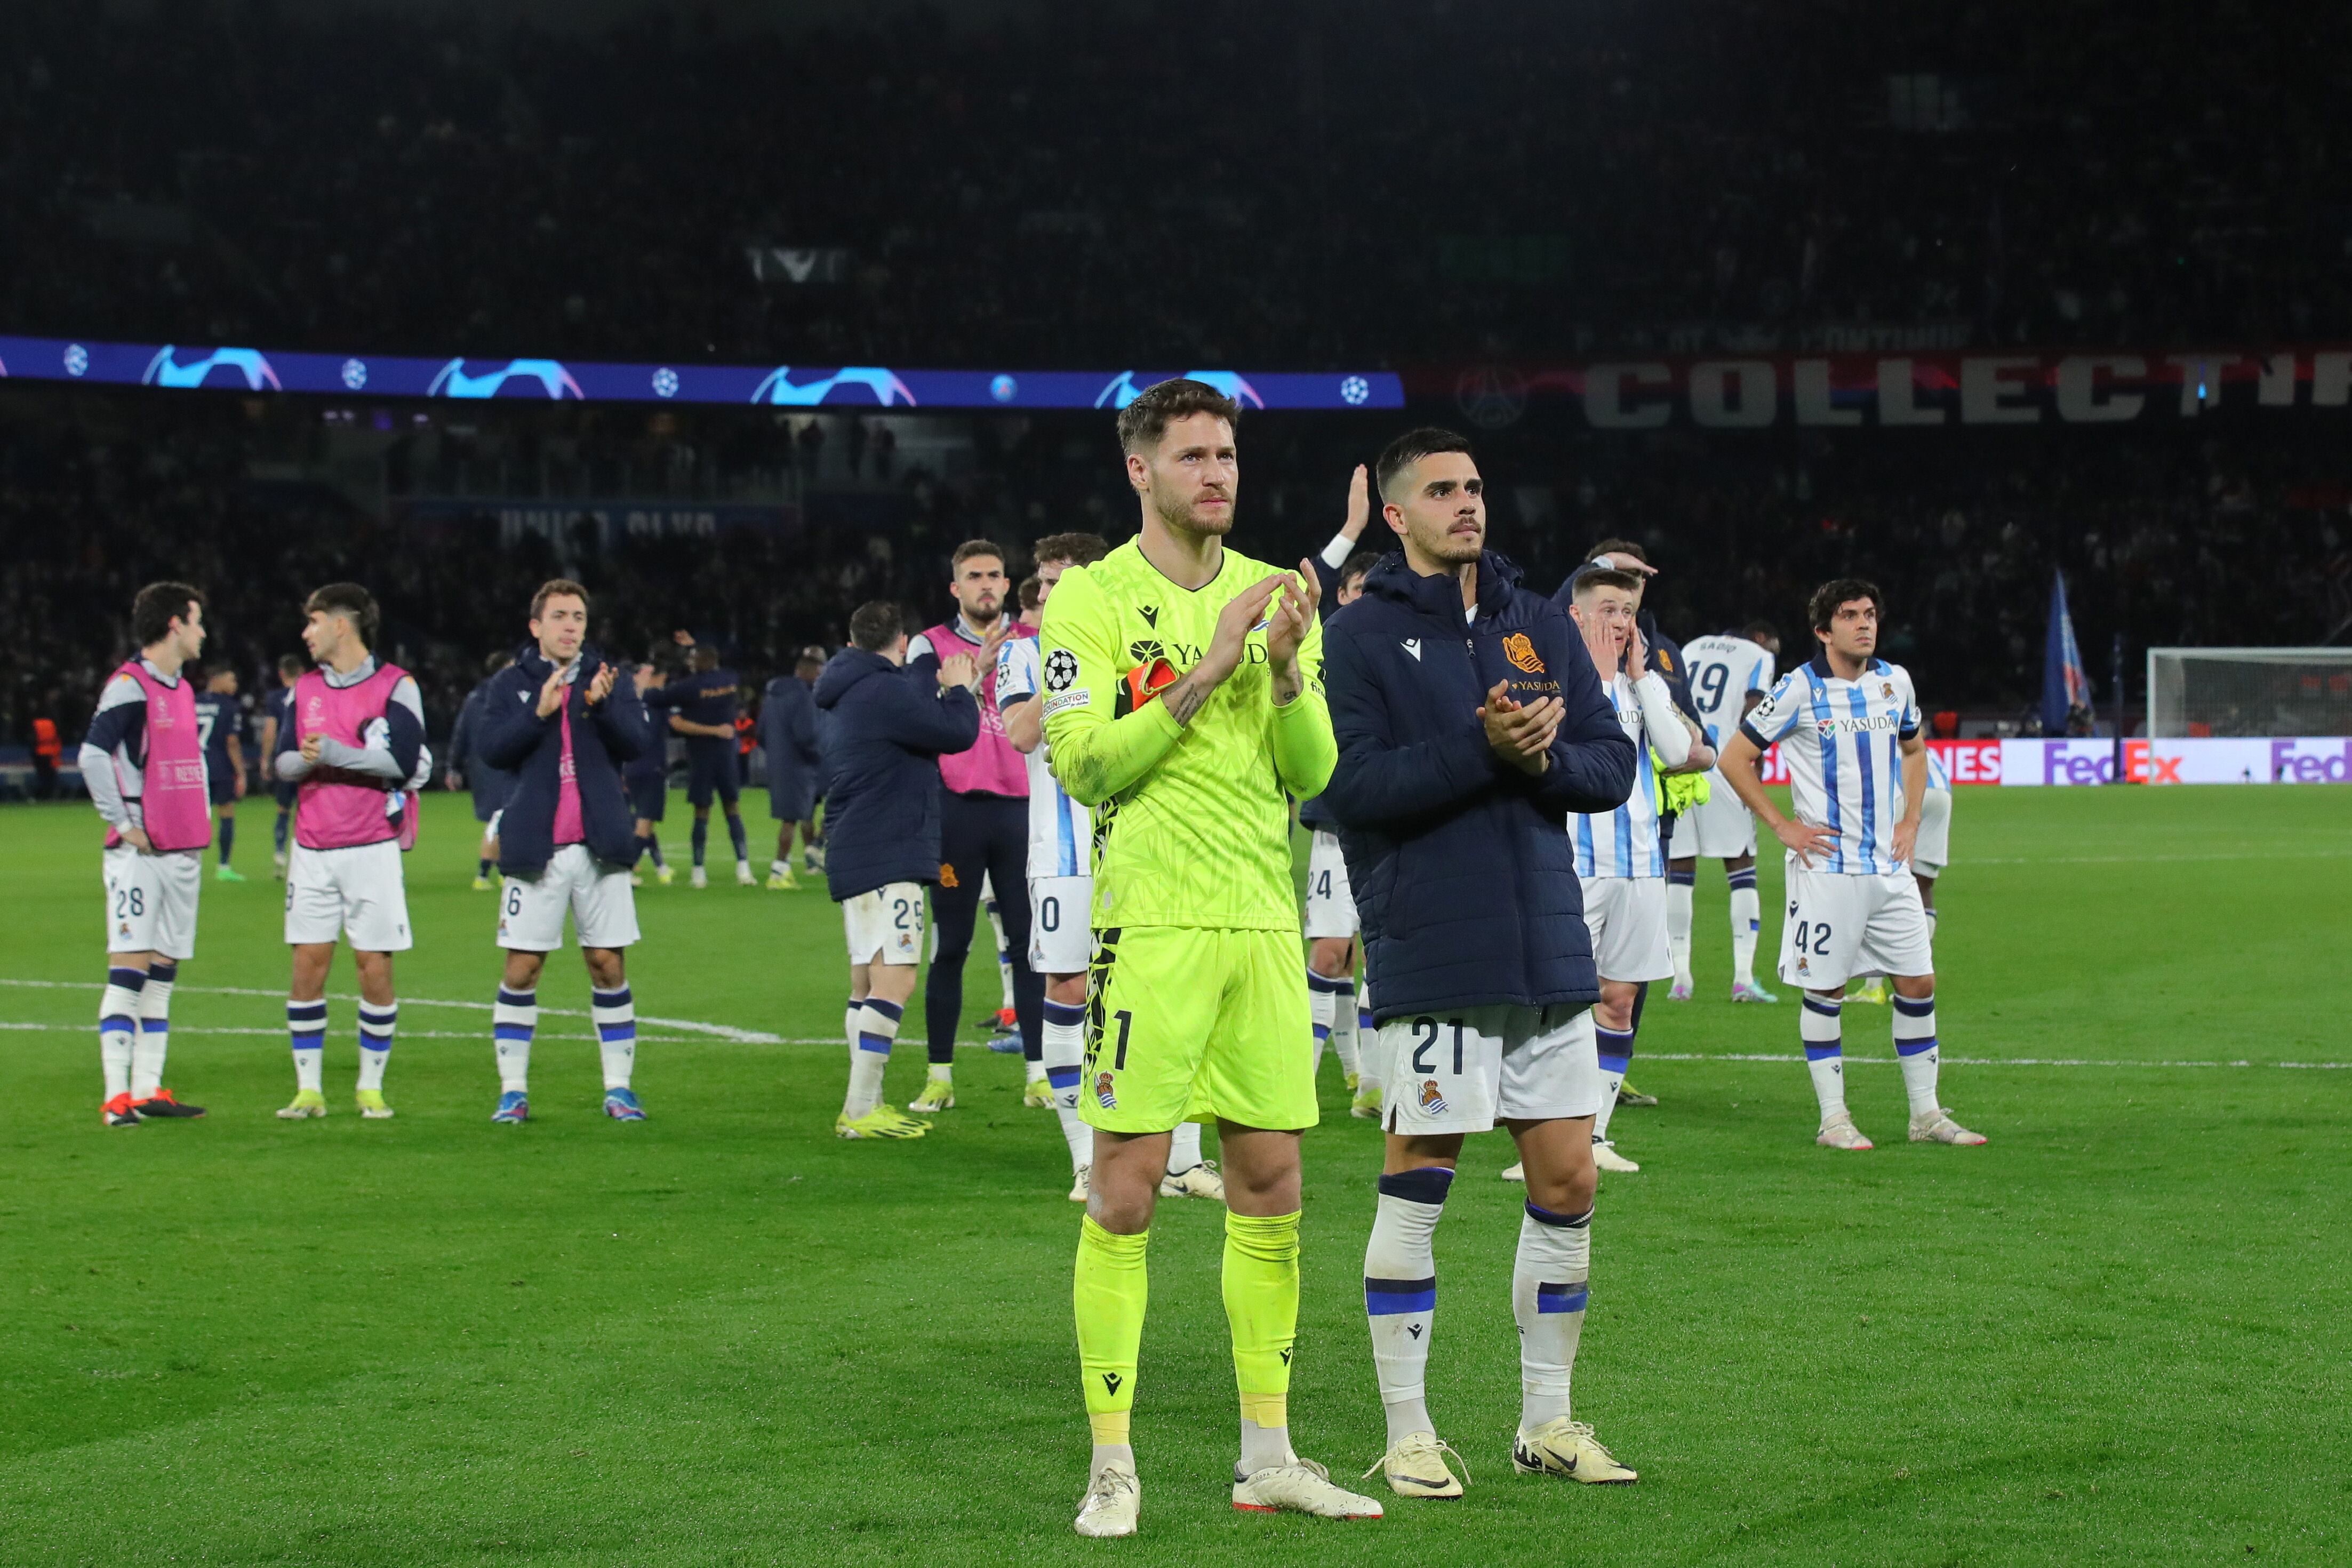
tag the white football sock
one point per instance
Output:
(154, 1028)
(1369, 1073)
(1263, 1447)
(1401, 1292)
(1322, 1011)
(878, 1031)
(942, 1073)
(305, 1034)
(513, 1021)
(1346, 1038)
(1746, 923)
(1679, 923)
(1550, 1278)
(377, 1026)
(1818, 1027)
(1184, 1148)
(118, 1025)
(1914, 1048)
(1931, 913)
(1616, 1051)
(615, 1014)
(1065, 1042)
(849, 1025)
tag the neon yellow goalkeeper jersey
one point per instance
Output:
(1191, 825)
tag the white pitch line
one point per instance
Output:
(280, 1034)
(2134, 859)
(1982, 1061)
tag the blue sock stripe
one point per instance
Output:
(1423, 1184)
(1065, 1014)
(1388, 1297)
(163, 1025)
(163, 970)
(613, 1034)
(1816, 1051)
(1062, 1077)
(517, 999)
(608, 998)
(1682, 879)
(1322, 1032)
(116, 1023)
(1572, 1221)
(890, 1010)
(1912, 1048)
(127, 979)
(306, 1012)
(305, 1040)
(1826, 1009)
(511, 1032)
(878, 1043)
(1620, 1065)
(1561, 1298)
(1742, 881)
(1915, 1007)
(1325, 982)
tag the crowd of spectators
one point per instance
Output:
(1076, 183)
(2241, 536)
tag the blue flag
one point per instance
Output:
(2066, 684)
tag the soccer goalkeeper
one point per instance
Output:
(1183, 696)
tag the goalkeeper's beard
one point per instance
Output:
(1182, 517)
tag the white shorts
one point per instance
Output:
(151, 901)
(884, 926)
(355, 892)
(604, 910)
(1061, 928)
(1627, 917)
(1932, 851)
(1330, 902)
(1721, 830)
(1842, 927)
(1464, 1072)
(490, 828)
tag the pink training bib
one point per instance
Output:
(174, 806)
(336, 808)
(989, 763)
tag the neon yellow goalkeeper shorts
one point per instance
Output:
(1188, 1024)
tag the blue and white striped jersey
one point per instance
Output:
(1061, 831)
(1624, 842)
(1723, 670)
(1938, 776)
(1841, 740)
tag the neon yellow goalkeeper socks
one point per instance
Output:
(1108, 1296)
(1261, 1282)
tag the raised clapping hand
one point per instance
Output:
(1359, 507)
(1286, 631)
(551, 695)
(311, 747)
(959, 669)
(1807, 839)
(601, 687)
(1521, 734)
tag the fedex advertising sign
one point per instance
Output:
(2312, 759)
(1964, 763)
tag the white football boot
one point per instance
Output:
(1302, 1485)
(1416, 1465)
(1113, 1499)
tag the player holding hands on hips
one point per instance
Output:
(1857, 770)
(1471, 722)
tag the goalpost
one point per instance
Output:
(2248, 691)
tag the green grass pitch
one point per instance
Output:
(2118, 1333)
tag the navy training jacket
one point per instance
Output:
(514, 737)
(788, 732)
(884, 732)
(490, 785)
(1463, 871)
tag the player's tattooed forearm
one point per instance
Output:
(1184, 698)
(1286, 687)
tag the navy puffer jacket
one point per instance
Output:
(513, 735)
(1463, 869)
(885, 729)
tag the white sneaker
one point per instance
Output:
(1515, 1171)
(1416, 1466)
(1302, 1485)
(1078, 1184)
(1938, 1127)
(1605, 1157)
(636, 879)
(1840, 1132)
(743, 877)
(1565, 1448)
(1200, 1182)
(700, 879)
(1113, 1497)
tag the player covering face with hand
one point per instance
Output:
(1182, 699)
(1471, 722)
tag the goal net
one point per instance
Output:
(2248, 691)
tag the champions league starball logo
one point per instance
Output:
(1122, 390)
(165, 370)
(778, 390)
(553, 380)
